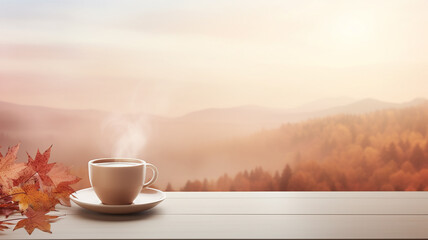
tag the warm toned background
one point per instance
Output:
(231, 95)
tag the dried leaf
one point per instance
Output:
(9, 170)
(62, 193)
(61, 173)
(25, 176)
(10, 156)
(35, 219)
(30, 196)
(33, 189)
(62, 178)
(40, 165)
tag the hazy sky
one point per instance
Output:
(172, 57)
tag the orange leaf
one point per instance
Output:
(9, 170)
(35, 219)
(30, 196)
(33, 188)
(62, 193)
(61, 173)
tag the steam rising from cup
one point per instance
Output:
(128, 134)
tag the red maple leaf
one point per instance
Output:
(33, 189)
(62, 178)
(35, 219)
(53, 178)
(62, 193)
(40, 165)
(9, 170)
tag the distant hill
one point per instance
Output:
(250, 118)
(170, 143)
(15, 117)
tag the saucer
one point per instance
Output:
(148, 198)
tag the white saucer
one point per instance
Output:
(148, 198)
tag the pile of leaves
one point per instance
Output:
(29, 191)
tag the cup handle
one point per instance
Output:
(154, 177)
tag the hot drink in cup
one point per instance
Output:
(118, 181)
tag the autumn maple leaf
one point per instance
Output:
(9, 170)
(33, 189)
(51, 174)
(62, 178)
(40, 165)
(54, 179)
(60, 174)
(30, 196)
(35, 219)
(62, 193)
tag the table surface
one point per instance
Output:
(252, 215)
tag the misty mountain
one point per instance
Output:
(250, 118)
(15, 117)
(368, 105)
(81, 135)
(21, 121)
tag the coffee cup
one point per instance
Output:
(118, 181)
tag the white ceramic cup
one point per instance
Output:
(118, 181)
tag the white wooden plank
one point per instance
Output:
(236, 206)
(254, 215)
(379, 204)
(311, 194)
(294, 206)
(152, 226)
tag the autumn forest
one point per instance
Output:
(385, 150)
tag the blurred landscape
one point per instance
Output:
(363, 145)
(222, 95)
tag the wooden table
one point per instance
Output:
(250, 215)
